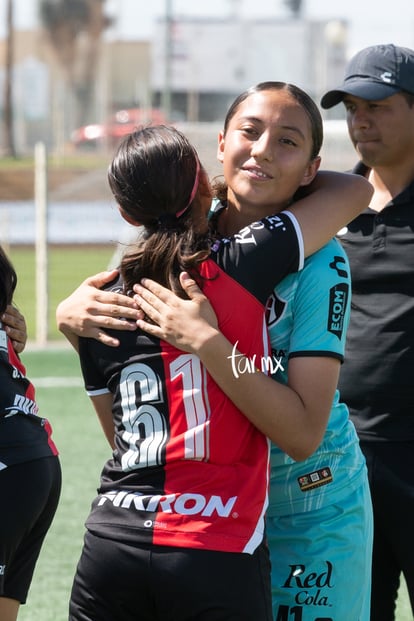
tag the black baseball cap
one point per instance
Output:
(375, 73)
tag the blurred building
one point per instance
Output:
(202, 64)
(42, 103)
(193, 69)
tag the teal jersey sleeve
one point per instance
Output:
(308, 312)
(308, 316)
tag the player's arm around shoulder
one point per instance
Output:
(323, 298)
(334, 200)
(317, 343)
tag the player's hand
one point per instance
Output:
(186, 324)
(88, 311)
(15, 326)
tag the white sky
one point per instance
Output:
(370, 21)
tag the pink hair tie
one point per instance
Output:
(193, 191)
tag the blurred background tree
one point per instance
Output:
(74, 29)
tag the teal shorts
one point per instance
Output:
(321, 561)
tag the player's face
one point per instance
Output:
(382, 131)
(266, 152)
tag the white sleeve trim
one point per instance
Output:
(96, 393)
(299, 236)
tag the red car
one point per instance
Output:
(120, 124)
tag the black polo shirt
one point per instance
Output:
(377, 377)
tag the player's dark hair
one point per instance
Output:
(409, 98)
(8, 281)
(303, 99)
(154, 178)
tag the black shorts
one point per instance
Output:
(29, 497)
(122, 582)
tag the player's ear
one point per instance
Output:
(220, 147)
(311, 171)
(204, 184)
(128, 218)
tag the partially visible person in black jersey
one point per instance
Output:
(30, 474)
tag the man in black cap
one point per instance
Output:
(377, 377)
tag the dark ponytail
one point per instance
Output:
(154, 179)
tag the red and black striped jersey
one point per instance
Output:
(24, 435)
(189, 469)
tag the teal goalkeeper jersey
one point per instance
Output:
(308, 315)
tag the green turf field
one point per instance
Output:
(83, 450)
(68, 267)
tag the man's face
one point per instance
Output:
(381, 131)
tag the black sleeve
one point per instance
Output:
(90, 350)
(93, 379)
(262, 254)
